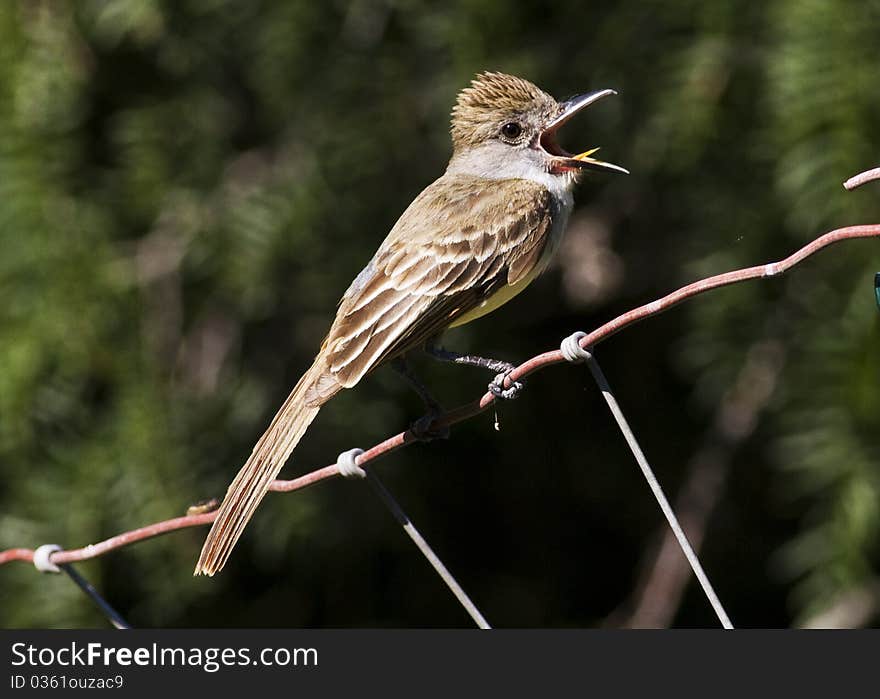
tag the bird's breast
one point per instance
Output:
(559, 220)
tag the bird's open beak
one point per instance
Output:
(565, 160)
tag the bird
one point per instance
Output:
(468, 243)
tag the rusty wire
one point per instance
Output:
(473, 408)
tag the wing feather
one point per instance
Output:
(434, 267)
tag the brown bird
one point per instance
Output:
(468, 243)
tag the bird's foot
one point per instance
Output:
(423, 430)
(496, 387)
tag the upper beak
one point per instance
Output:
(568, 109)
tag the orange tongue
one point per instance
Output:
(585, 154)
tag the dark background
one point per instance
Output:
(186, 189)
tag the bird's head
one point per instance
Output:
(502, 124)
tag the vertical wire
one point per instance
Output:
(657, 490)
(102, 604)
(426, 550)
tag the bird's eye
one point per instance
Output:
(511, 130)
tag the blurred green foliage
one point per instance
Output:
(186, 188)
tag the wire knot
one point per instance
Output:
(346, 463)
(571, 348)
(41, 558)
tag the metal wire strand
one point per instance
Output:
(114, 617)
(426, 550)
(475, 407)
(657, 490)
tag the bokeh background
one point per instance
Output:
(186, 188)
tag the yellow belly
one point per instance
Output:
(499, 298)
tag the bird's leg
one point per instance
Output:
(402, 367)
(502, 368)
(421, 428)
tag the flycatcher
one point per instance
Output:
(467, 244)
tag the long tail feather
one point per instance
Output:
(252, 481)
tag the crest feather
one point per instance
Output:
(489, 100)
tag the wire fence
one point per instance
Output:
(577, 347)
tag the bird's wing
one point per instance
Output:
(458, 243)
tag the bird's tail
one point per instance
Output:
(252, 481)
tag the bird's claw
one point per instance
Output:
(423, 431)
(496, 387)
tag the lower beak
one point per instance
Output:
(585, 162)
(567, 110)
